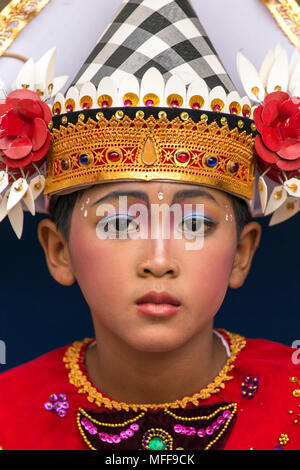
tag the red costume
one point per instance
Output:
(267, 420)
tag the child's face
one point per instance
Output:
(113, 273)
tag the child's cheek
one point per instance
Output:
(211, 272)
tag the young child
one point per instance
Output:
(157, 375)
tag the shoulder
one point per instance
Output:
(24, 391)
(273, 409)
(32, 374)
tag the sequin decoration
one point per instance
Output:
(157, 439)
(57, 404)
(196, 428)
(249, 386)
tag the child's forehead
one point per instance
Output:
(158, 191)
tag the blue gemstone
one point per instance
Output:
(84, 159)
(212, 161)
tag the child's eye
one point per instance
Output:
(117, 224)
(195, 224)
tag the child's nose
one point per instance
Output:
(158, 260)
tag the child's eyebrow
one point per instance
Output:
(179, 196)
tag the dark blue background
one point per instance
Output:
(38, 315)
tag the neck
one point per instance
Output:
(132, 376)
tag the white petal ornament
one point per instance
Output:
(233, 103)
(35, 188)
(44, 73)
(263, 193)
(88, 96)
(3, 180)
(72, 100)
(197, 95)
(26, 76)
(37, 185)
(107, 95)
(217, 98)
(3, 205)
(279, 73)
(16, 218)
(278, 197)
(250, 79)
(175, 92)
(266, 66)
(129, 91)
(152, 88)
(18, 189)
(285, 211)
(292, 186)
(29, 201)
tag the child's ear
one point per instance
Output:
(246, 247)
(56, 251)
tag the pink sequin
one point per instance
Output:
(227, 414)
(209, 430)
(220, 420)
(116, 438)
(129, 432)
(201, 432)
(123, 435)
(178, 428)
(134, 427)
(93, 430)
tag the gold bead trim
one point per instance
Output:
(111, 425)
(79, 379)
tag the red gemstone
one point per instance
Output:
(69, 108)
(234, 167)
(113, 156)
(246, 113)
(56, 111)
(64, 164)
(233, 111)
(85, 106)
(182, 157)
(149, 103)
(105, 104)
(217, 108)
(196, 106)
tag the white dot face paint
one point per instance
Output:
(194, 222)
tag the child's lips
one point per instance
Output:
(158, 304)
(158, 310)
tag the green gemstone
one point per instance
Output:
(156, 443)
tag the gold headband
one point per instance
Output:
(121, 147)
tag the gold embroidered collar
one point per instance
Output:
(74, 361)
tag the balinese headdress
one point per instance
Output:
(153, 102)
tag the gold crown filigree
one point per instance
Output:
(124, 148)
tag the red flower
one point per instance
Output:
(278, 123)
(24, 133)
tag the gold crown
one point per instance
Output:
(137, 148)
